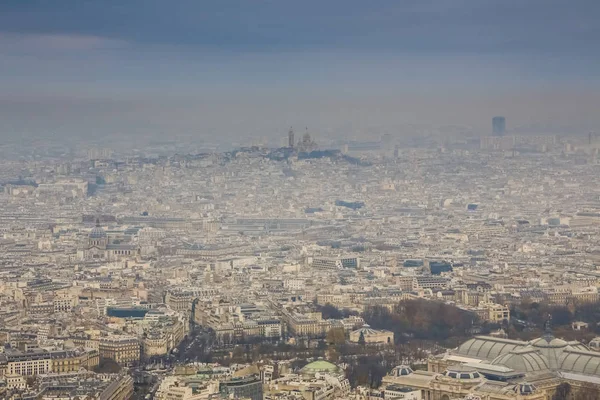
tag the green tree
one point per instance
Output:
(301, 344)
(107, 365)
(336, 336)
(361, 339)
(329, 311)
(237, 354)
(562, 392)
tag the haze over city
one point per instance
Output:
(238, 69)
(278, 200)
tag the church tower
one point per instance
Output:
(97, 237)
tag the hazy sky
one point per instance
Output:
(251, 67)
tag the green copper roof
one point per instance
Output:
(320, 366)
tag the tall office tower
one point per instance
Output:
(291, 138)
(498, 126)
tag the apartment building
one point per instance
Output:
(123, 350)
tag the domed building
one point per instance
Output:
(97, 237)
(595, 344)
(552, 348)
(526, 360)
(401, 370)
(580, 364)
(492, 368)
(463, 373)
(319, 379)
(99, 247)
(525, 389)
(487, 348)
(320, 366)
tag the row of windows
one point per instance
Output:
(29, 370)
(122, 252)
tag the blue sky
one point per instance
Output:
(255, 67)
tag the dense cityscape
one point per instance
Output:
(466, 269)
(299, 200)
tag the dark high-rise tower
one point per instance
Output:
(498, 126)
(291, 138)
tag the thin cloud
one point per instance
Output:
(52, 43)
